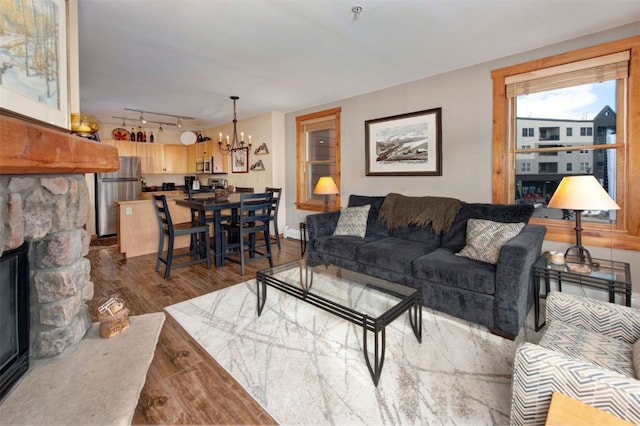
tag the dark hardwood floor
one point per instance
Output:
(184, 385)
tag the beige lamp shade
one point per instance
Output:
(581, 193)
(326, 186)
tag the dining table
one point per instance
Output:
(211, 204)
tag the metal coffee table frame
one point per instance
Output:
(410, 303)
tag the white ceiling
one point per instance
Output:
(186, 57)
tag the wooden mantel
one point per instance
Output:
(27, 148)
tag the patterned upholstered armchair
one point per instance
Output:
(586, 353)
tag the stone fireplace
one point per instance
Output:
(49, 212)
(44, 200)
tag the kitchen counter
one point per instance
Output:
(138, 230)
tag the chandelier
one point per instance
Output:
(234, 143)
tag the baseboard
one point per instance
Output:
(291, 232)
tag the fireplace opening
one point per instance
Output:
(14, 317)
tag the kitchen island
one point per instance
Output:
(138, 231)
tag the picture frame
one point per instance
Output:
(240, 160)
(405, 145)
(37, 92)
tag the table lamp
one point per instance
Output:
(326, 186)
(580, 193)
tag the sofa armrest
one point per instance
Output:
(617, 321)
(513, 277)
(538, 372)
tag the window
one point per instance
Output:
(612, 67)
(525, 167)
(569, 167)
(318, 154)
(586, 131)
(569, 131)
(527, 132)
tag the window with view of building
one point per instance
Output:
(590, 89)
(586, 131)
(318, 154)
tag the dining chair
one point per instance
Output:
(199, 249)
(277, 193)
(252, 224)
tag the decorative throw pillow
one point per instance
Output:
(353, 221)
(485, 239)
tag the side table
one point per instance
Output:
(609, 275)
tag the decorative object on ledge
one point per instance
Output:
(85, 125)
(580, 193)
(326, 186)
(405, 145)
(258, 166)
(240, 160)
(262, 149)
(38, 96)
(234, 144)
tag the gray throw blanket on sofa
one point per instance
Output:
(399, 210)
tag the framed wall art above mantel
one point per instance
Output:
(34, 72)
(405, 145)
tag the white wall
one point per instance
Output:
(466, 99)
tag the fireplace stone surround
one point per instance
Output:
(44, 200)
(50, 212)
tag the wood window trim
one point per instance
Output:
(302, 202)
(626, 237)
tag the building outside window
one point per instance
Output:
(569, 131)
(569, 167)
(527, 132)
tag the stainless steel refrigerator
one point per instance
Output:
(123, 185)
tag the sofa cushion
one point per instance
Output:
(596, 348)
(375, 227)
(340, 245)
(456, 238)
(444, 267)
(394, 254)
(485, 239)
(424, 234)
(353, 221)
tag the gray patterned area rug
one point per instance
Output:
(306, 366)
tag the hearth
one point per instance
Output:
(14, 317)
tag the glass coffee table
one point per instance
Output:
(369, 302)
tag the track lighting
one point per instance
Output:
(143, 120)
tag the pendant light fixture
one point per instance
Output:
(235, 143)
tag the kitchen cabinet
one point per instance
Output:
(175, 159)
(152, 157)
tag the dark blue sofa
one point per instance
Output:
(496, 296)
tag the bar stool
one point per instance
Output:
(277, 193)
(253, 220)
(200, 242)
